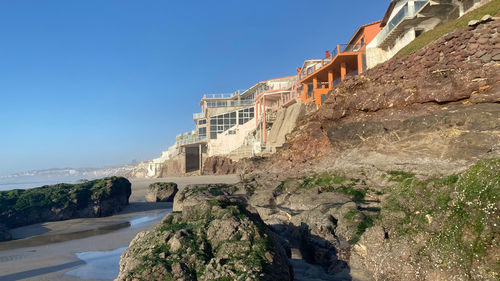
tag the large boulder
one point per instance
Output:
(161, 192)
(95, 198)
(218, 239)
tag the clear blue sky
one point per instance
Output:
(93, 83)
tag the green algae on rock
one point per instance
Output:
(96, 198)
(218, 239)
(445, 228)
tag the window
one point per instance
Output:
(202, 132)
(202, 122)
(245, 115)
(213, 135)
(323, 98)
(310, 89)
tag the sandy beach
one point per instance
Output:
(48, 251)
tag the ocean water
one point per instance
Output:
(104, 265)
(99, 264)
(22, 184)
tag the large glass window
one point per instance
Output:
(202, 122)
(224, 122)
(245, 115)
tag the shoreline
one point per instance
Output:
(34, 256)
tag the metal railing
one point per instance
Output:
(406, 12)
(198, 115)
(223, 95)
(190, 140)
(230, 103)
(310, 70)
(294, 93)
(275, 86)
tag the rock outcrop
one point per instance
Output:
(374, 182)
(218, 239)
(161, 192)
(434, 110)
(218, 165)
(193, 195)
(95, 198)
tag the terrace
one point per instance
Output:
(344, 61)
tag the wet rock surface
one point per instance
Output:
(217, 239)
(161, 192)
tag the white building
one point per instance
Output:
(405, 20)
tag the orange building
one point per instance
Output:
(318, 77)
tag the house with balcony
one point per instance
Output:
(405, 20)
(224, 120)
(271, 96)
(318, 77)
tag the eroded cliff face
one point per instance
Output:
(436, 110)
(378, 182)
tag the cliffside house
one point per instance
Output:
(271, 96)
(318, 77)
(405, 20)
(225, 120)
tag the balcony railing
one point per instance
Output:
(190, 140)
(198, 115)
(277, 86)
(406, 12)
(222, 96)
(229, 103)
(310, 70)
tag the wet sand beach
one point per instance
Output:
(48, 251)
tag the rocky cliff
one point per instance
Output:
(387, 180)
(436, 110)
(95, 198)
(219, 165)
(395, 177)
(216, 239)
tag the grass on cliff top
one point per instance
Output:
(458, 213)
(426, 38)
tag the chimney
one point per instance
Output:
(327, 54)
